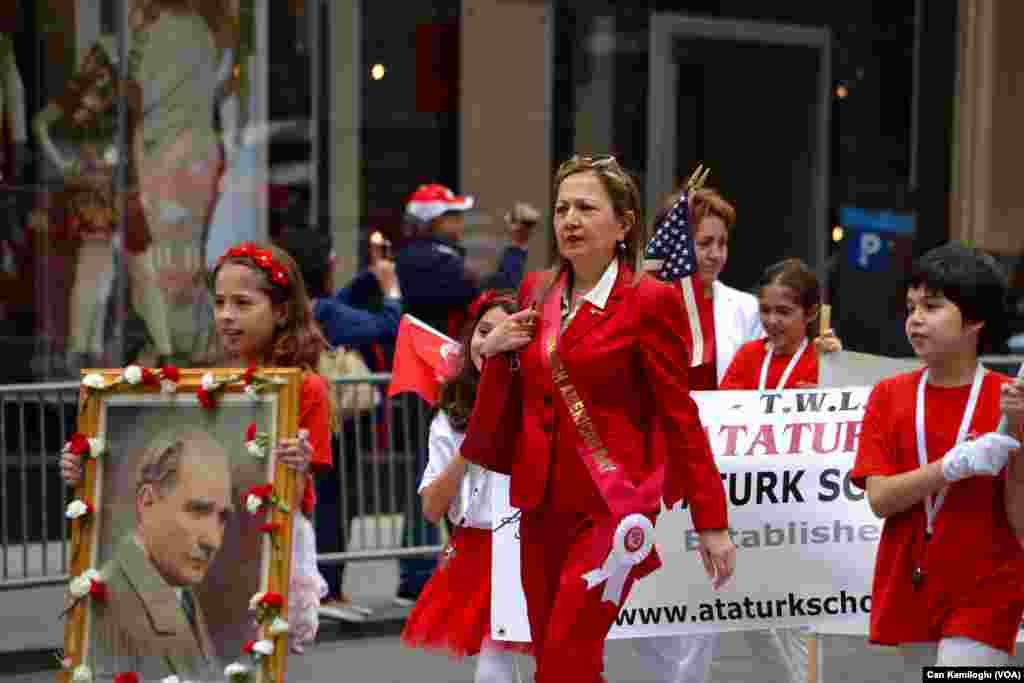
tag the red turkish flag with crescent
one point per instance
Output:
(424, 359)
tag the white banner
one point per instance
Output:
(806, 537)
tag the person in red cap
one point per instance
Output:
(432, 268)
(437, 288)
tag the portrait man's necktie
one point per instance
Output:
(188, 605)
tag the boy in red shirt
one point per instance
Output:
(931, 463)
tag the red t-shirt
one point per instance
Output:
(315, 417)
(971, 540)
(745, 370)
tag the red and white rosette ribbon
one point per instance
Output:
(633, 542)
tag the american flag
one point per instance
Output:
(672, 256)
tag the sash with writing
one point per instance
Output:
(619, 493)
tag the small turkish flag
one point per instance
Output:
(424, 359)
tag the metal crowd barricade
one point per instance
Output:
(380, 458)
(35, 421)
(380, 455)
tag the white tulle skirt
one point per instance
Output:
(307, 586)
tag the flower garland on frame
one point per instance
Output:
(258, 499)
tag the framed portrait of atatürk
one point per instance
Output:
(181, 527)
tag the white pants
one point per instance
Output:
(495, 666)
(781, 653)
(954, 651)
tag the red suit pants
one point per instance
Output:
(568, 623)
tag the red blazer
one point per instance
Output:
(629, 364)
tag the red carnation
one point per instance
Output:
(247, 648)
(126, 677)
(205, 398)
(79, 444)
(279, 277)
(249, 374)
(150, 377)
(269, 528)
(265, 491)
(98, 591)
(272, 600)
(250, 431)
(171, 373)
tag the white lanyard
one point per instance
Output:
(933, 504)
(788, 371)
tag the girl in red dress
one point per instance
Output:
(789, 300)
(453, 614)
(264, 319)
(580, 395)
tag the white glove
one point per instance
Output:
(985, 455)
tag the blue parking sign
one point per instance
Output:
(869, 250)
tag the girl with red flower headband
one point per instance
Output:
(263, 319)
(453, 613)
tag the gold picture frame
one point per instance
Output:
(140, 535)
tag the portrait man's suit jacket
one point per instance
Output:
(142, 627)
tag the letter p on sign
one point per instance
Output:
(870, 245)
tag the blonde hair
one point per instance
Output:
(623, 192)
(625, 198)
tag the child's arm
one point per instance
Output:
(891, 495)
(1014, 495)
(439, 494)
(985, 456)
(1012, 407)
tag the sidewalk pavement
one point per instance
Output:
(371, 652)
(352, 658)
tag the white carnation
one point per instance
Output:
(235, 669)
(132, 374)
(95, 447)
(253, 503)
(208, 381)
(93, 380)
(76, 509)
(264, 648)
(254, 448)
(251, 391)
(279, 626)
(82, 674)
(80, 585)
(168, 387)
(170, 679)
(254, 601)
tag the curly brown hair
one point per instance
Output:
(458, 394)
(299, 341)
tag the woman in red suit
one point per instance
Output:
(581, 396)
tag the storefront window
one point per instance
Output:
(140, 140)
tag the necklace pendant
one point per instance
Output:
(917, 577)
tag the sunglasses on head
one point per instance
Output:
(593, 161)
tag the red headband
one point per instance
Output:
(263, 259)
(482, 303)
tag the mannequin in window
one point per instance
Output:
(176, 49)
(88, 208)
(13, 146)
